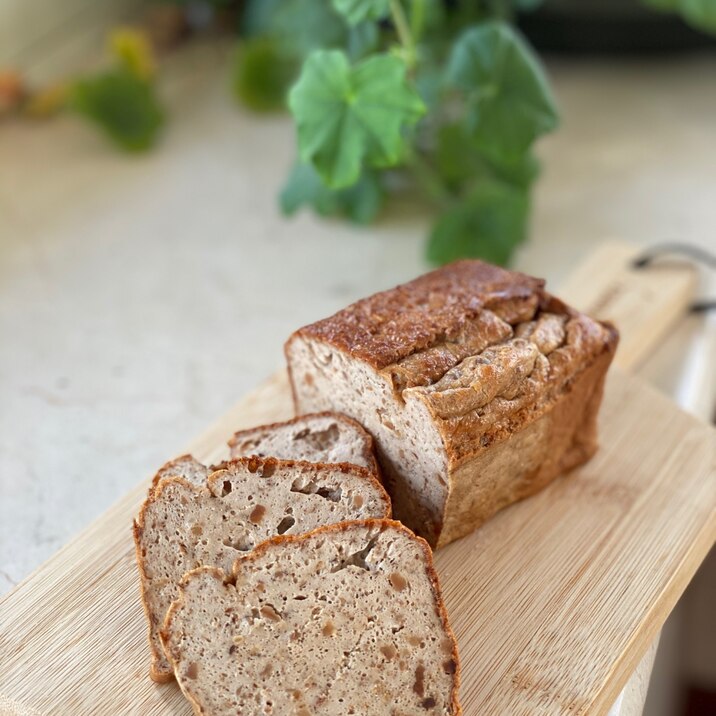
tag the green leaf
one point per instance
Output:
(300, 26)
(700, 14)
(461, 163)
(509, 102)
(350, 116)
(429, 79)
(362, 39)
(356, 11)
(121, 104)
(261, 74)
(360, 202)
(488, 224)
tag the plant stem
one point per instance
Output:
(417, 19)
(403, 29)
(429, 180)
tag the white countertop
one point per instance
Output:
(141, 296)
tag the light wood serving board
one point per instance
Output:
(553, 602)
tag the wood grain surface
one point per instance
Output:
(553, 602)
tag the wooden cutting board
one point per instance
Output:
(553, 602)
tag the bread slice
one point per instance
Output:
(182, 525)
(318, 437)
(186, 467)
(478, 386)
(347, 619)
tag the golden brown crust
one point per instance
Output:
(279, 540)
(155, 674)
(387, 327)
(137, 530)
(421, 333)
(479, 354)
(369, 447)
(559, 440)
(468, 430)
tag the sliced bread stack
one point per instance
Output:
(283, 492)
(200, 516)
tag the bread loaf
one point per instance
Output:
(321, 437)
(183, 525)
(347, 619)
(477, 385)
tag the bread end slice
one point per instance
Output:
(345, 619)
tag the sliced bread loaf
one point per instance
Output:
(182, 525)
(478, 386)
(347, 619)
(318, 437)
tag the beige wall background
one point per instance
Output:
(47, 38)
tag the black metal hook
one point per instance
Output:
(696, 253)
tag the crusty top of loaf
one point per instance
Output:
(487, 350)
(387, 327)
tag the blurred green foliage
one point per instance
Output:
(700, 14)
(121, 100)
(449, 96)
(452, 99)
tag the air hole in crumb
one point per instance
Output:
(385, 421)
(192, 671)
(242, 543)
(322, 440)
(285, 524)
(357, 559)
(311, 488)
(269, 468)
(226, 488)
(429, 703)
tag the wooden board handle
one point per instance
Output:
(643, 303)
